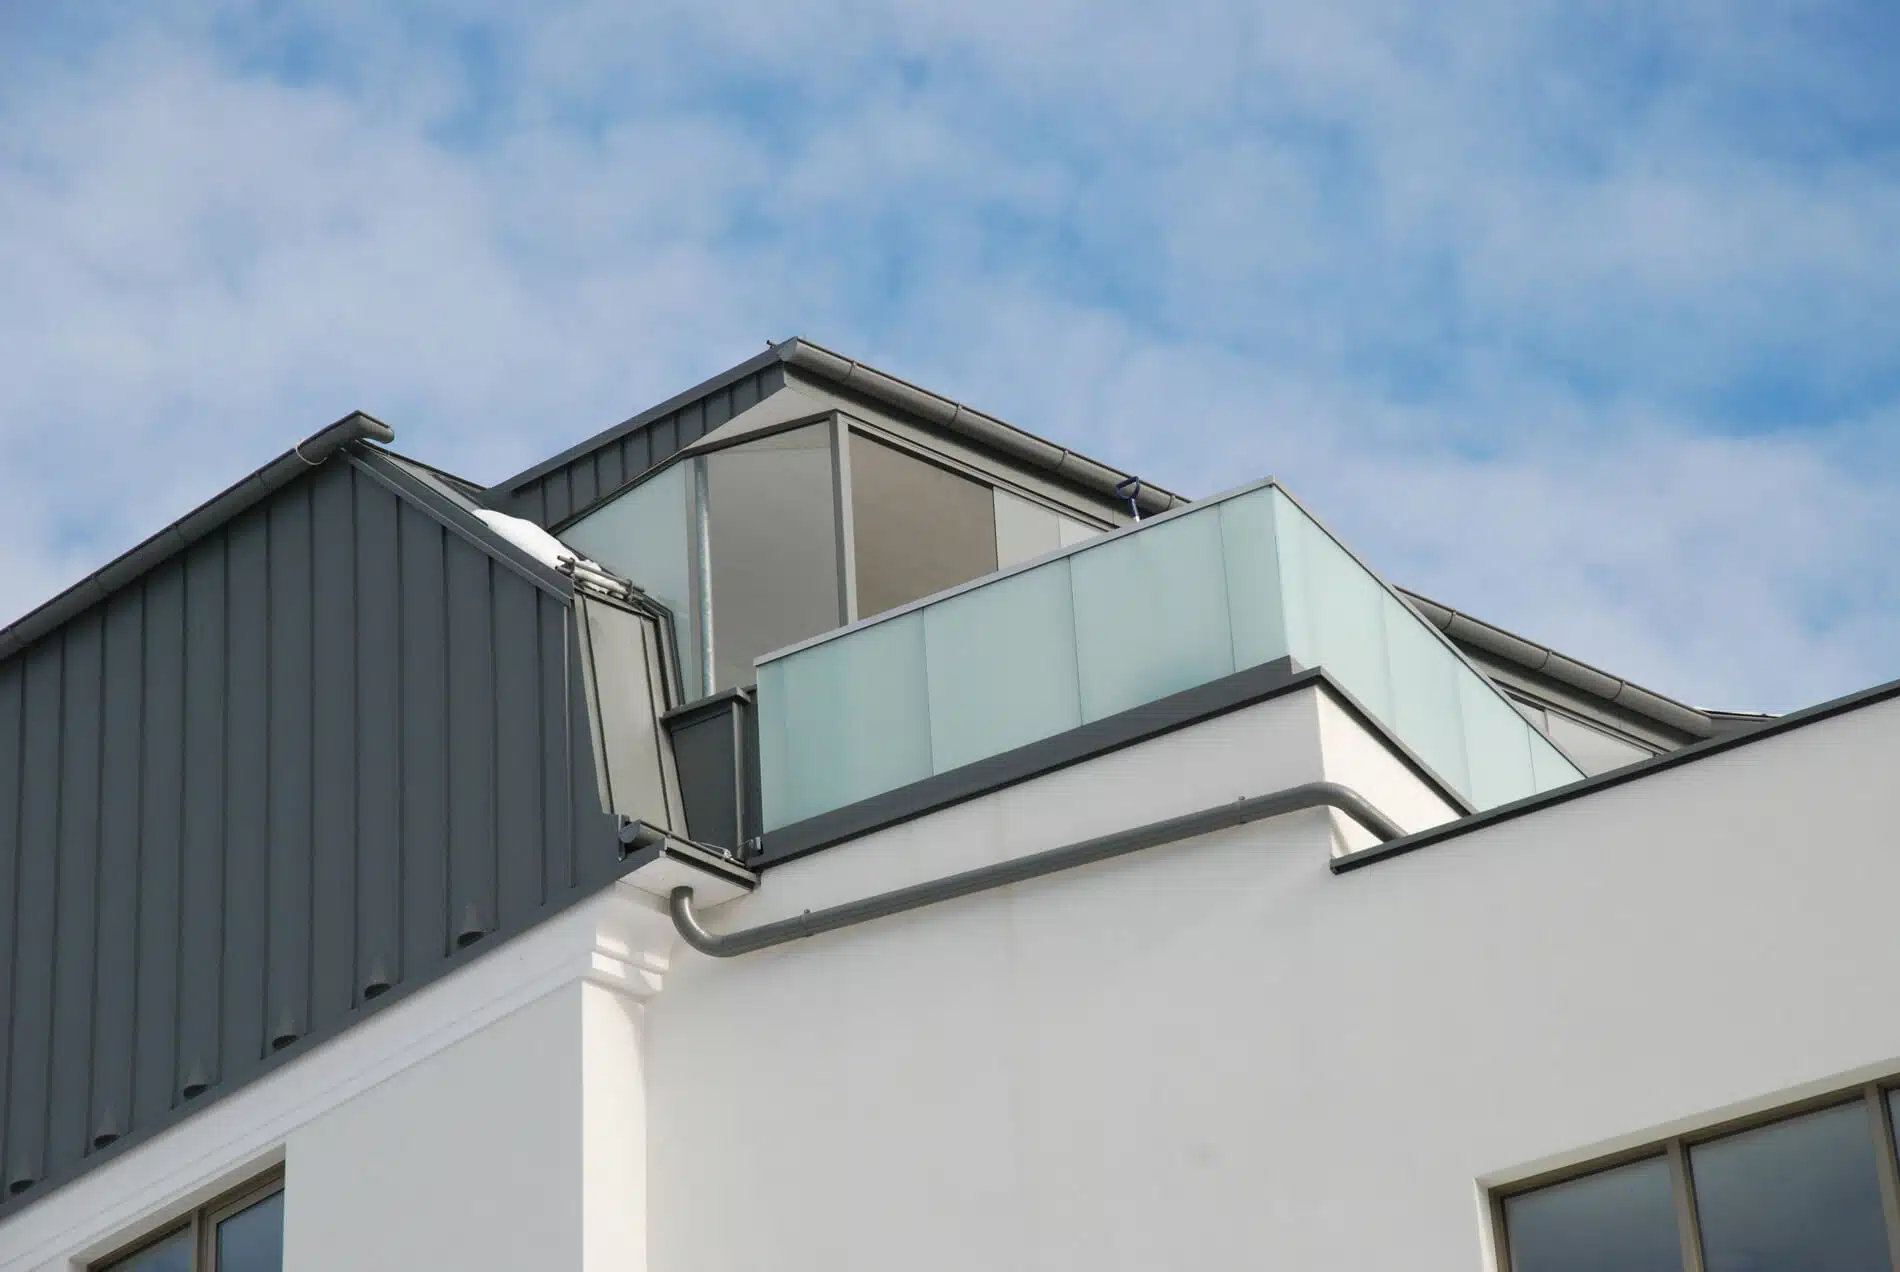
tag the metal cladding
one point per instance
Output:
(313, 759)
(578, 478)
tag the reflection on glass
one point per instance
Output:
(1799, 1194)
(1621, 1220)
(918, 528)
(643, 533)
(173, 1254)
(1024, 530)
(774, 549)
(252, 1240)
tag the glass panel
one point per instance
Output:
(173, 1254)
(1594, 750)
(626, 697)
(1497, 743)
(1001, 665)
(1621, 1220)
(252, 1240)
(848, 719)
(1024, 531)
(1151, 614)
(1425, 704)
(1799, 1194)
(1549, 769)
(918, 528)
(1537, 716)
(1343, 612)
(1071, 532)
(644, 534)
(774, 549)
(1249, 550)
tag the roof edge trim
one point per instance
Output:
(1578, 675)
(1772, 727)
(310, 453)
(955, 417)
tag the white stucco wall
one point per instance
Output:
(1220, 1054)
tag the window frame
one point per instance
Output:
(1871, 1095)
(202, 1223)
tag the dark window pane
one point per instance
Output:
(774, 550)
(1619, 1220)
(173, 1254)
(252, 1240)
(919, 528)
(1798, 1195)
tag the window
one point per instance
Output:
(918, 528)
(1814, 1188)
(241, 1232)
(774, 547)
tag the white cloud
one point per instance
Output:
(1491, 288)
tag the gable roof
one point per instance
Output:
(580, 476)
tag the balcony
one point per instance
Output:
(1114, 623)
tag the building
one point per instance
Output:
(816, 824)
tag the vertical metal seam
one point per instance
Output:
(702, 539)
(447, 866)
(98, 882)
(306, 1018)
(59, 862)
(567, 746)
(13, 933)
(492, 690)
(541, 754)
(354, 732)
(138, 857)
(269, 767)
(215, 1067)
(178, 858)
(398, 911)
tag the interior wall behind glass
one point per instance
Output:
(645, 534)
(918, 528)
(773, 549)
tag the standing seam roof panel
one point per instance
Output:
(318, 757)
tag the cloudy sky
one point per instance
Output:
(1583, 317)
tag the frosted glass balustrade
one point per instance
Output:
(1225, 585)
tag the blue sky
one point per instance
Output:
(1584, 318)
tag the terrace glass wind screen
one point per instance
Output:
(1107, 625)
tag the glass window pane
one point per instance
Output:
(774, 549)
(252, 1240)
(1024, 530)
(644, 534)
(173, 1254)
(1549, 769)
(1151, 614)
(918, 528)
(1619, 1220)
(1799, 1194)
(1594, 750)
(1002, 666)
(843, 721)
(1072, 532)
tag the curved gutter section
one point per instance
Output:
(194, 525)
(1087, 852)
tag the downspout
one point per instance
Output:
(1088, 851)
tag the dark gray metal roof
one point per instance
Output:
(292, 758)
(558, 488)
